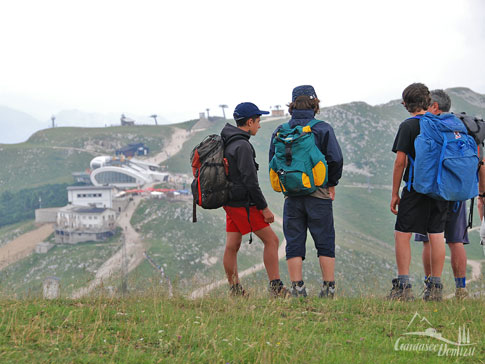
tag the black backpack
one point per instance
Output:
(475, 127)
(210, 187)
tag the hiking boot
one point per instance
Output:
(283, 292)
(298, 289)
(461, 293)
(327, 291)
(400, 292)
(426, 291)
(433, 292)
(237, 290)
(277, 289)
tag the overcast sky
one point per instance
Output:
(177, 58)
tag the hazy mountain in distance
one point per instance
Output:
(17, 126)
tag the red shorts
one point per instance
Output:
(237, 220)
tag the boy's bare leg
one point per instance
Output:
(403, 252)
(233, 243)
(458, 259)
(427, 258)
(294, 268)
(438, 252)
(270, 253)
(327, 266)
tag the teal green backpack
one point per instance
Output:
(298, 167)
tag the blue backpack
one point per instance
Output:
(446, 164)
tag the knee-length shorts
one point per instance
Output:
(312, 213)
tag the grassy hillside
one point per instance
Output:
(154, 329)
(51, 155)
(74, 265)
(191, 254)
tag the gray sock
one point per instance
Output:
(403, 279)
(435, 280)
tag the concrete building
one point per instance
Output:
(43, 247)
(133, 149)
(278, 113)
(125, 121)
(91, 196)
(78, 223)
(46, 216)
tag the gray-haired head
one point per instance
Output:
(442, 98)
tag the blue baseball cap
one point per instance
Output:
(246, 110)
(305, 90)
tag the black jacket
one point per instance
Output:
(243, 169)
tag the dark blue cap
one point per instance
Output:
(305, 90)
(246, 110)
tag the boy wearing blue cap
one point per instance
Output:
(312, 211)
(247, 210)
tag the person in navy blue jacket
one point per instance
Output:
(314, 211)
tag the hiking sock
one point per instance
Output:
(403, 279)
(460, 282)
(435, 280)
(295, 284)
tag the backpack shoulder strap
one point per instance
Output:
(234, 138)
(313, 122)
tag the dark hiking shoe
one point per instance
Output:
(426, 291)
(461, 293)
(283, 292)
(400, 292)
(433, 292)
(298, 289)
(277, 289)
(327, 292)
(237, 290)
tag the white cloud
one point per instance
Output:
(179, 58)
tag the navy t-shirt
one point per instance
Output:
(404, 141)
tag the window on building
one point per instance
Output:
(114, 177)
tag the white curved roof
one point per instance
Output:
(133, 178)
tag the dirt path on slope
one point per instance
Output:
(476, 269)
(179, 137)
(476, 272)
(198, 293)
(23, 245)
(135, 247)
(134, 252)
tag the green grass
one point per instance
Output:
(185, 249)
(74, 265)
(155, 329)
